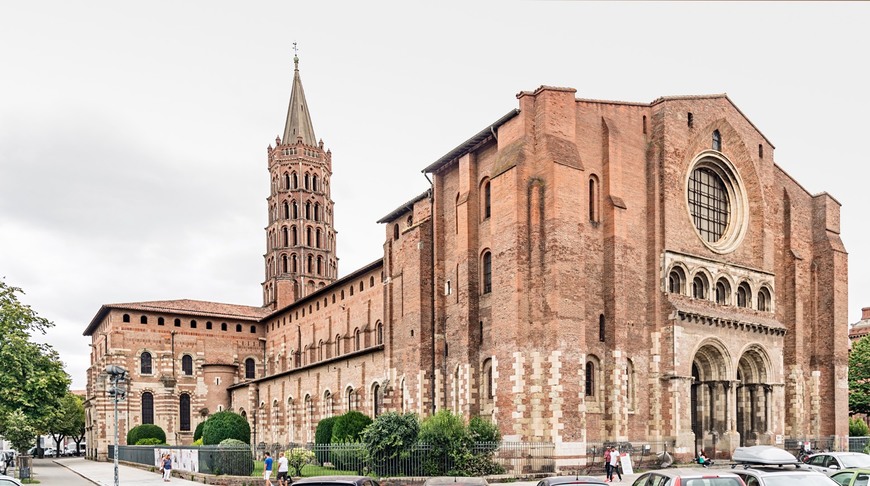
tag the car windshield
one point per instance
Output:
(855, 460)
(712, 482)
(802, 480)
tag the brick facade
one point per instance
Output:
(554, 280)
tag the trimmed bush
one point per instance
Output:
(391, 436)
(225, 425)
(145, 431)
(231, 456)
(323, 435)
(348, 427)
(150, 441)
(197, 433)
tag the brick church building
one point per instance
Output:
(579, 271)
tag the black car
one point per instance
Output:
(338, 481)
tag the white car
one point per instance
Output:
(9, 481)
(828, 462)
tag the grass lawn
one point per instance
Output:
(307, 471)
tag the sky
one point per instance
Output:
(133, 135)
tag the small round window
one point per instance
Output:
(716, 202)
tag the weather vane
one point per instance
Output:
(295, 50)
(295, 57)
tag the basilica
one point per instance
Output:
(579, 271)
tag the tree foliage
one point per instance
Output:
(19, 431)
(68, 420)
(298, 457)
(32, 378)
(390, 434)
(348, 427)
(323, 435)
(145, 431)
(859, 377)
(225, 425)
(858, 427)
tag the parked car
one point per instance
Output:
(455, 481)
(828, 462)
(560, 480)
(852, 477)
(336, 481)
(688, 477)
(9, 481)
(771, 466)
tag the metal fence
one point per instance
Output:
(644, 454)
(222, 459)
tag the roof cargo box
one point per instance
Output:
(763, 455)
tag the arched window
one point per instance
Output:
(377, 400)
(143, 320)
(486, 203)
(380, 335)
(319, 265)
(250, 367)
(487, 379)
(285, 236)
(293, 263)
(676, 280)
(294, 180)
(602, 330)
(147, 408)
(295, 208)
(630, 377)
(187, 364)
(160, 321)
(238, 328)
(284, 266)
(316, 212)
(286, 210)
(310, 264)
(145, 363)
(338, 344)
(594, 210)
(317, 238)
(395, 231)
(184, 412)
(307, 181)
(590, 379)
(717, 141)
(723, 292)
(371, 281)
(314, 183)
(286, 181)
(356, 339)
(487, 272)
(350, 399)
(193, 324)
(223, 326)
(764, 300)
(308, 210)
(177, 323)
(126, 318)
(321, 350)
(744, 295)
(699, 286)
(253, 329)
(308, 236)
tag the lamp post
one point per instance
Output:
(118, 377)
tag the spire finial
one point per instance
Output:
(295, 57)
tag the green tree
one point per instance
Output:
(297, 459)
(197, 433)
(225, 425)
(858, 427)
(859, 377)
(32, 378)
(390, 436)
(68, 420)
(19, 431)
(145, 431)
(322, 437)
(448, 436)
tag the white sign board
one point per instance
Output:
(625, 460)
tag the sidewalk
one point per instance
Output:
(103, 473)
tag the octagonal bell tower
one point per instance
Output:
(300, 237)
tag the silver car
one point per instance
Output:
(828, 462)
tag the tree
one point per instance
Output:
(859, 377)
(19, 432)
(32, 378)
(297, 458)
(146, 431)
(391, 436)
(68, 420)
(348, 427)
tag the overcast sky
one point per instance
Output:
(133, 135)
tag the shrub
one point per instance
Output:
(484, 434)
(225, 425)
(348, 456)
(197, 433)
(449, 438)
(323, 436)
(197, 442)
(858, 427)
(389, 437)
(145, 431)
(298, 457)
(348, 427)
(150, 441)
(231, 456)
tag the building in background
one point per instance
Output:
(580, 271)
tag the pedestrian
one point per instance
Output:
(607, 455)
(167, 467)
(614, 465)
(267, 472)
(283, 469)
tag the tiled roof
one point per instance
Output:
(183, 306)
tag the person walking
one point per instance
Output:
(607, 456)
(614, 465)
(283, 469)
(267, 472)
(167, 467)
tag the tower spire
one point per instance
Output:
(298, 120)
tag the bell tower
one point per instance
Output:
(300, 237)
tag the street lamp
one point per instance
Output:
(118, 376)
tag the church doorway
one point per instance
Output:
(709, 395)
(754, 396)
